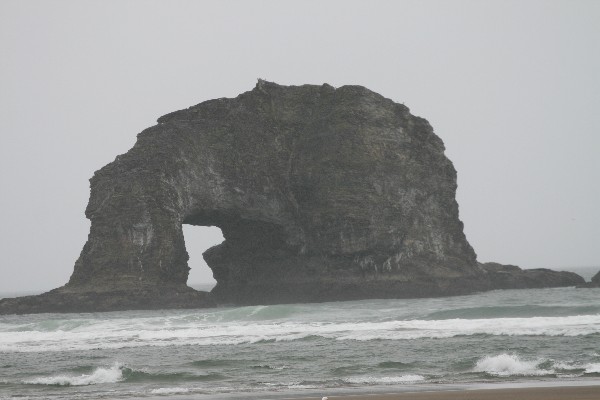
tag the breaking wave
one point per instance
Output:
(510, 365)
(115, 334)
(119, 373)
(505, 365)
(99, 375)
(523, 311)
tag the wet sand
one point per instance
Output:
(538, 393)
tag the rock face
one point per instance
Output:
(596, 279)
(321, 194)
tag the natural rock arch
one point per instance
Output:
(314, 189)
(321, 194)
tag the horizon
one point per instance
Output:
(587, 272)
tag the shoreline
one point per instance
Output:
(532, 390)
(588, 389)
(524, 393)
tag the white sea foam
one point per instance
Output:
(301, 386)
(566, 366)
(589, 368)
(100, 375)
(175, 390)
(385, 380)
(274, 367)
(195, 330)
(510, 365)
(592, 368)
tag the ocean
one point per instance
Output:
(544, 335)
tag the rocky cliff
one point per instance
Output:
(321, 194)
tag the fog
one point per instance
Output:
(512, 88)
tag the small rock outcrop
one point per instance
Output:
(512, 277)
(66, 300)
(594, 283)
(321, 194)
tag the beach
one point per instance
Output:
(537, 393)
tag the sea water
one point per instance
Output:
(549, 335)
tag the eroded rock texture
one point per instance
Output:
(321, 194)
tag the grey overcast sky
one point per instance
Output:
(512, 88)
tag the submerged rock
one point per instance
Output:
(321, 194)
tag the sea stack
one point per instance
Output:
(321, 194)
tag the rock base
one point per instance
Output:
(62, 300)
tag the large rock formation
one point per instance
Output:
(321, 194)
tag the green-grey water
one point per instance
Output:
(501, 336)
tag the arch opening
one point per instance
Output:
(197, 240)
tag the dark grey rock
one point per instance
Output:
(594, 283)
(321, 194)
(63, 300)
(513, 277)
(596, 279)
